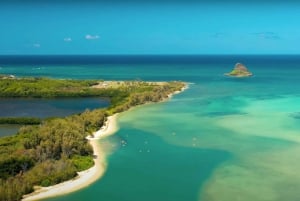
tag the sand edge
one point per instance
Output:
(86, 177)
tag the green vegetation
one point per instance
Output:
(82, 162)
(20, 120)
(235, 72)
(56, 149)
(239, 70)
(239, 73)
(45, 87)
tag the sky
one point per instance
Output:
(66, 27)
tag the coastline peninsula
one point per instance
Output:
(63, 149)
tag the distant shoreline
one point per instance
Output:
(87, 177)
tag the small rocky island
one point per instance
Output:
(239, 70)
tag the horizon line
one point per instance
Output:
(70, 55)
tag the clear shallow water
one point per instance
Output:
(223, 139)
(146, 167)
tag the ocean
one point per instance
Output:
(222, 139)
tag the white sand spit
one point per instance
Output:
(84, 178)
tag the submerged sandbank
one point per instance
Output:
(84, 178)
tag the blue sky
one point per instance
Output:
(149, 27)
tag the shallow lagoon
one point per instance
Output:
(43, 108)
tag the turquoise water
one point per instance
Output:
(223, 139)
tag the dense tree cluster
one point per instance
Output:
(20, 120)
(46, 154)
(56, 149)
(44, 87)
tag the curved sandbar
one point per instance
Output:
(87, 177)
(84, 178)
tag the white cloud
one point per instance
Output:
(92, 37)
(68, 39)
(37, 45)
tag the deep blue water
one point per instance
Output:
(69, 60)
(223, 139)
(192, 68)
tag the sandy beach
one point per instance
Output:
(84, 178)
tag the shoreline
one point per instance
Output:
(89, 176)
(179, 91)
(86, 177)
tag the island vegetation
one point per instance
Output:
(54, 150)
(20, 120)
(239, 70)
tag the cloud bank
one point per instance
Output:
(68, 39)
(92, 37)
